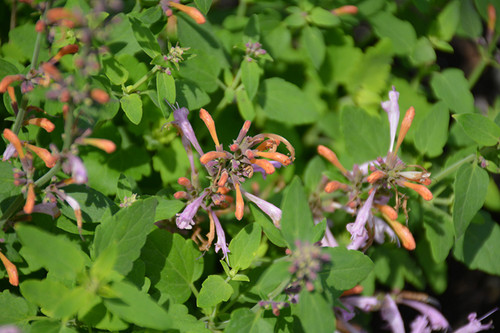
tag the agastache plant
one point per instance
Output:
(377, 181)
(227, 171)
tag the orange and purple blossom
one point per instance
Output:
(390, 313)
(74, 166)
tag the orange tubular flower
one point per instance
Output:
(30, 199)
(492, 18)
(12, 138)
(41, 122)
(62, 15)
(423, 191)
(264, 164)
(52, 72)
(331, 157)
(192, 12)
(107, 145)
(8, 80)
(212, 155)
(209, 122)
(99, 95)
(353, 291)
(223, 179)
(49, 159)
(405, 126)
(240, 205)
(403, 233)
(345, 10)
(183, 181)
(283, 159)
(374, 176)
(334, 186)
(11, 270)
(68, 49)
(388, 211)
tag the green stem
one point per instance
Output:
(484, 61)
(452, 168)
(143, 79)
(194, 290)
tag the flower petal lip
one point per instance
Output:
(182, 122)
(392, 108)
(271, 210)
(184, 220)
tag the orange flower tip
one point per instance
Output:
(183, 181)
(249, 154)
(192, 12)
(234, 147)
(11, 270)
(423, 191)
(353, 291)
(264, 164)
(41, 122)
(8, 80)
(12, 138)
(12, 95)
(68, 49)
(30, 199)
(246, 125)
(180, 195)
(345, 10)
(223, 179)
(52, 71)
(492, 17)
(209, 122)
(283, 159)
(333, 186)
(99, 95)
(374, 176)
(212, 155)
(106, 145)
(405, 236)
(49, 159)
(331, 157)
(63, 16)
(388, 211)
(240, 205)
(39, 26)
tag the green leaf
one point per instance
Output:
(145, 37)
(243, 248)
(190, 95)
(297, 221)
(137, 307)
(273, 233)
(470, 23)
(349, 267)
(323, 18)
(244, 105)
(439, 232)
(15, 309)
(313, 173)
(471, 184)
(285, 102)
(203, 5)
(423, 52)
(452, 87)
(250, 76)
(69, 304)
(166, 208)
(45, 293)
(127, 229)
(195, 69)
(172, 264)
(115, 72)
(103, 267)
(6, 179)
(165, 86)
(213, 291)
(314, 44)
(251, 33)
(61, 257)
(401, 33)
(478, 246)
(432, 132)
(366, 137)
(448, 19)
(315, 313)
(479, 128)
(94, 205)
(246, 321)
(132, 106)
(274, 279)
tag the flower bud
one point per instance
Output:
(8, 80)
(331, 157)
(212, 155)
(30, 199)
(374, 176)
(209, 122)
(264, 164)
(405, 126)
(41, 122)
(387, 210)
(183, 181)
(423, 191)
(283, 159)
(68, 49)
(49, 159)
(12, 138)
(11, 270)
(240, 205)
(99, 95)
(345, 10)
(192, 12)
(107, 145)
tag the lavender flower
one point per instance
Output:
(182, 122)
(436, 319)
(74, 166)
(221, 237)
(9, 152)
(392, 108)
(357, 228)
(420, 325)
(271, 210)
(391, 315)
(475, 325)
(185, 219)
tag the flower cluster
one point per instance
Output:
(376, 181)
(227, 170)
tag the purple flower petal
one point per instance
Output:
(420, 325)
(9, 151)
(221, 237)
(357, 228)
(391, 315)
(475, 325)
(437, 320)
(75, 167)
(181, 120)
(185, 219)
(392, 108)
(271, 210)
